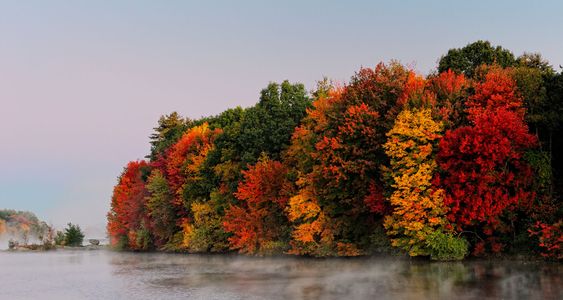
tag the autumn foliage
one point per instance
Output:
(496, 90)
(337, 177)
(484, 171)
(184, 160)
(435, 166)
(450, 92)
(258, 222)
(127, 216)
(418, 207)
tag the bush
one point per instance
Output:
(445, 246)
(73, 235)
(60, 238)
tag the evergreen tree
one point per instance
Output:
(73, 235)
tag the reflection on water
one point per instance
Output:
(110, 275)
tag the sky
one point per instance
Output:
(82, 83)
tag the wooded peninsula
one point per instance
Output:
(464, 161)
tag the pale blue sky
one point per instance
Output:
(82, 83)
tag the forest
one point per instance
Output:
(462, 162)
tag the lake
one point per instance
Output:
(101, 274)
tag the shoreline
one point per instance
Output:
(500, 258)
(41, 248)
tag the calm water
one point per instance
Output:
(109, 275)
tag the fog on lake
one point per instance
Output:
(101, 274)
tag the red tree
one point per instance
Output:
(258, 222)
(484, 171)
(128, 213)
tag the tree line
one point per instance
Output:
(460, 162)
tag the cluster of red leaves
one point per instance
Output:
(416, 93)
(448, 84)
(128, 204)
(375, 199)
(259, 218)
(484, 172)
(450, 90)
(497, 90)
(550, 238)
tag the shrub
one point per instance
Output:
(446, 246)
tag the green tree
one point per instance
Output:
(73, 235)
(555, 103)
(465, 60)
(160, 209)
(535, 61)
(537, 84)
(169, 130)
(533, 75)
(323, 88)
(267, 127)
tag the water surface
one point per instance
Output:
(100, 274)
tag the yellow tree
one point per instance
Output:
(418, 219)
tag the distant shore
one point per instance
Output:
(41, 248)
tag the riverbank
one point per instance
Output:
(42, 248)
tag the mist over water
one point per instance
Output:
(100, 274)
